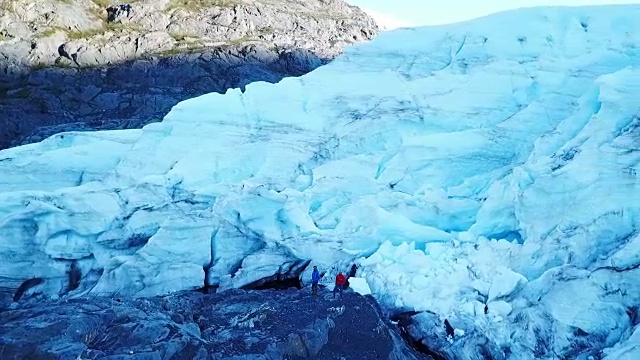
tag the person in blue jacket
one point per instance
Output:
(315, 279)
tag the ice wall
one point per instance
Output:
(496, 160)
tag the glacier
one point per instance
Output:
(483, 172)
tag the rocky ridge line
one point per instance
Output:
(99, 64)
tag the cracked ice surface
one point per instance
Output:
(495, 161)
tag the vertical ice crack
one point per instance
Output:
(460, 46)
(212, 249)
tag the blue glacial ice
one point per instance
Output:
(492, 162)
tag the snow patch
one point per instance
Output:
(359, 285)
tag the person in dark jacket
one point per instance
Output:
(353, 271)
(75, 275)
(340, 280)
(449, 329)
(315, 279)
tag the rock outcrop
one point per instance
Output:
(95, 65)
(233, 325)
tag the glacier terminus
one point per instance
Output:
(484, 172)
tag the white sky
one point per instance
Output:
(434, 12)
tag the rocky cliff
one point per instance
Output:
(234, 325)
(100, 64)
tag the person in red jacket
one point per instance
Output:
(340, 280)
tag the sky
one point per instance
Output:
(397, 13)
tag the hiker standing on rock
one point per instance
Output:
(340, 280)
(353, 271)
(315, 279)
(449, 330)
